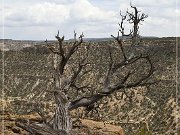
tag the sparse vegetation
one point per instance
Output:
(28, 75)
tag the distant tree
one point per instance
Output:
(61, 121)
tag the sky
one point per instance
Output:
(41, 19)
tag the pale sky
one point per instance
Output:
(41, 19)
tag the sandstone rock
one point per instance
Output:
(100, 128)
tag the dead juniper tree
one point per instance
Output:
(61, 122)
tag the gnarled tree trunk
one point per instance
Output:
(61, 121)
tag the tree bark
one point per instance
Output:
(40, 129)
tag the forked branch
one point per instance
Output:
(61, 52)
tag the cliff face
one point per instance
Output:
(17, 45)
(28, 76)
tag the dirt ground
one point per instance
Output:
(82, 127)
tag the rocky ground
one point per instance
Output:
(154, 107)
(80, 127)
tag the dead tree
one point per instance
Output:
(61, 121)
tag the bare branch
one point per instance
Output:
(75, 46)
(107, 81)
(81, 65)
(141, 81)
(60, 41)
(61, 52)
(120, 86)
(119, 41)
(51, 48)
(85, 101)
